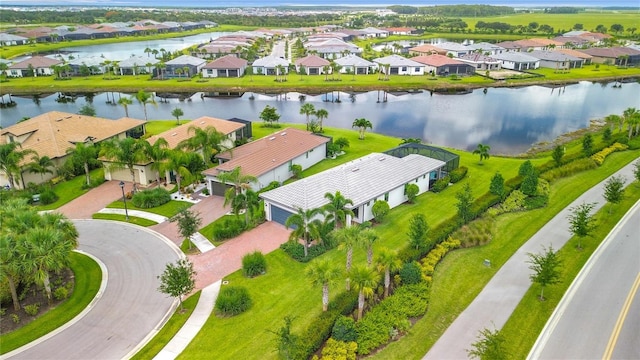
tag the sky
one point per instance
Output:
(271, 3)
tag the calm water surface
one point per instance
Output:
(510, 120)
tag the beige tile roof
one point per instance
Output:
(575, 53)
(226, 62)
(312, 61)
(179, 133)
(52, 133)
(37, 62)
(426, 48)
(265, 154)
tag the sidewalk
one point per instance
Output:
(495, 303)
(137, 213)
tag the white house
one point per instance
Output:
(399, 65)
(270, 158)
(269, 64)
(226, 66)
(355, 64)
(34, 66)
(517, 61)
(365, 180)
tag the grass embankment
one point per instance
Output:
(530, 316)
(168, 331)
(461, 275)
(117, 217)
(87, 282)
(71, 189)
(168, 209)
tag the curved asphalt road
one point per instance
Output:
(603, 300)
(129, 309)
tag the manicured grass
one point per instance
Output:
(207, 231)
(118, 217)
(158, 126)
(586, 72)
(87, 282)
(461, 275)
(71, 189)
(169, 209)
(527, 320)
(169, 329)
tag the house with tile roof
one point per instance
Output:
(556, 60)
(269, 64)
(426, 49)
(486, 48)
(331, 48)
(518, 61)
(177, 67)
(443, 65)
(95, 65)
(454, 49)
(270, 158)
(398, 65)
(41, 66)
(11, 39)
(510, 46)
(400, 30)
(313, 64)
(53, 133)
(365, 180)
(614, 55)
(355, 65)
(575, 53)
(226, 66)
(481, 62)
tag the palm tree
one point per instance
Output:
(300, 223)
(612, 120)
(308, 110)
(158, 153)
(10, 159)
(161, 66)
(362, 124)
(483, 151)
(125, 102)
(629, 115)
(365, 279)
(145, 98)
(40, 165)
(10, 265)
(206, 140)
(125, 153)
(366, 238)
(337, 206)
(387, 261)
(148, 51)
(249, 201)
(321, 272)
(177, 112)
(348, 239)
(321, 114)
(177, 162)
(85, 154)
(241, 185)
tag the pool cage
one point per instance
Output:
(452, 160)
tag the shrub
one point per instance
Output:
(48, 196)
(441, 184)
(526, 168)
(530, 184)
(296, 250)
(339, 350)
(514, 182)
(429, 262)
(380, 209)
(344, 329)
(15, 318)
(458, 174)
(151, 198)
(272, 185)
(535, 202)
(61, 293)
(32, 309)
(410, 273)
(232, 300)
(296, 170)
(254, 264)
(599, 157)
(231, 226)
(569, 169)
(411, 190)
(476, 233)
(513, 202)
(483, 203)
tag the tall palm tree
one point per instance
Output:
(158, 153)
(629, 116)
(10, 159)
(300, 223)
(337, 206)
(125, 102)
(177, 112)
(362, 124)
(612, 120)
(240, 181)
(365, 280)
(145, 98)
(322, 273)
(387, 261)
(10, 265)
(483, 151)
(177, 161)
(366, 238)
(321, 114)
(208, 141)
(40, 165)
(85, 154)
(249, 201)
(125, 153)
(308, 110)
(161, 66)
(347, 239)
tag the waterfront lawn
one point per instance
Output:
(586, 72)
(70, 189)
(156, 127)
(117, 217)
(460, 277)
(530, 316)
(88, 277)
(169, 209)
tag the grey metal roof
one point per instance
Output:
(11, 37)
(353, 60)
(270, 61)
(552, 56)
(515, 57)
(88, 61)
(360, 180)
(452, 46)
(397, 60)
(186, 60)
(138, 60)
(485, 46)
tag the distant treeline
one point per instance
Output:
(454, 10)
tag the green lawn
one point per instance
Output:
(117, 217)
(586, 72)
(87, 282)
(169, 209)
(527, 320)
(169, 329)
(158, 126)
(71, 189)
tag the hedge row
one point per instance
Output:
(441, 184)
(599, 157)
(151, 198)
(458, 174)
(569, 169)
(296, 250)
(229, 227)
(429, 262)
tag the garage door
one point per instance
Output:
(219, 188)
(233, 72)
(279, 215)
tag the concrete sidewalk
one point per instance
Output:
(495, 303)
(137, 213)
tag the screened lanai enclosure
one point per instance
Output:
(452, 160)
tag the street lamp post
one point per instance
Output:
(124, 199)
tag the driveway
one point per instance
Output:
(93, 201)
(129, 308)
(227, 258)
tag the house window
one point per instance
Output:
(368, 203)
(424, 176)
(417, 70)
(386, 197)
(10, 138)
(404, 69)
(307, 154)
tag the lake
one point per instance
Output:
(510, 120)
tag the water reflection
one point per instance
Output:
(510, 120)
